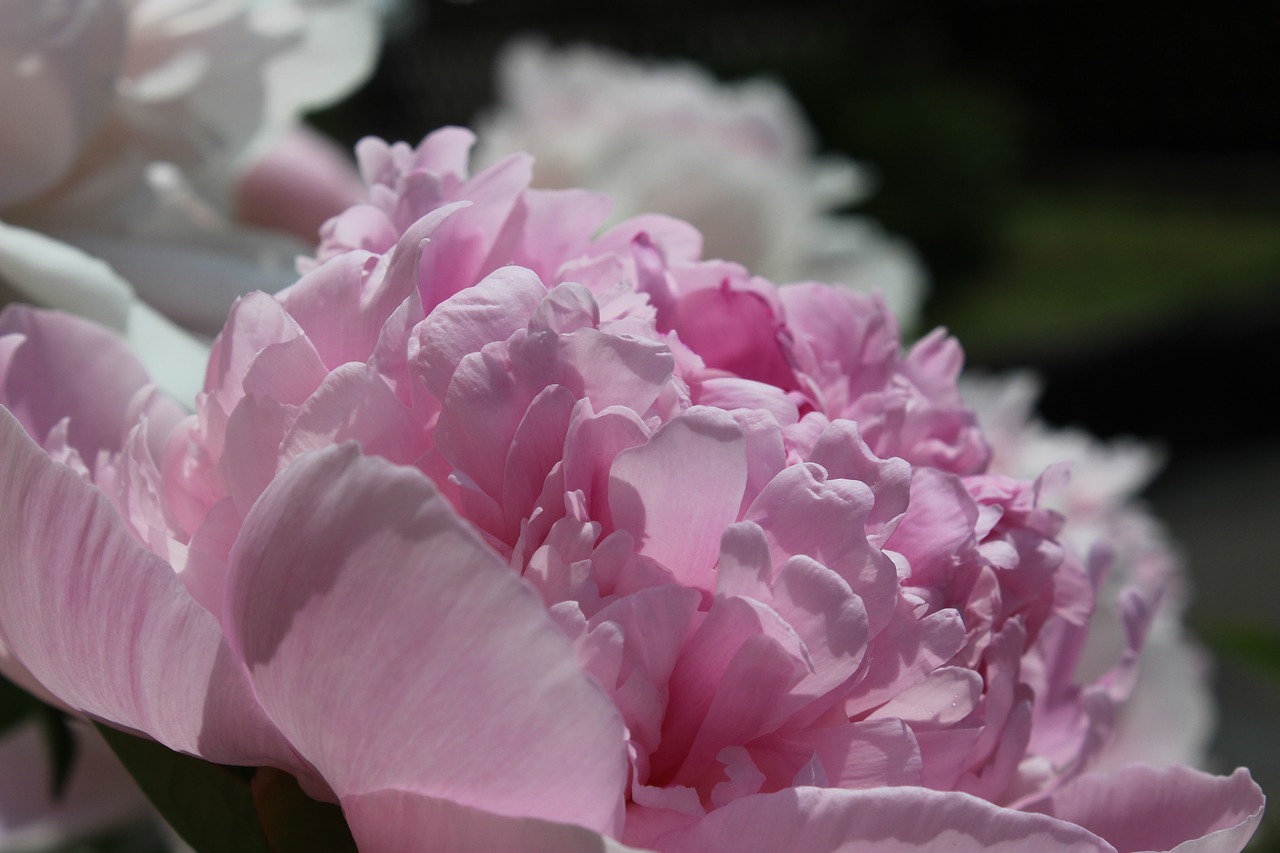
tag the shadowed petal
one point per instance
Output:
(392, 821)
(355, 587)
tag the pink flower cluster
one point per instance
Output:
(509, 536)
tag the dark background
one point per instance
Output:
(1095, 188)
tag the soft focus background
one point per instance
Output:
(1094, 188)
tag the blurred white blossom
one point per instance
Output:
(735, 160)
(128, 126)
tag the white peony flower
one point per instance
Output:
(735, 160)
(127, 126)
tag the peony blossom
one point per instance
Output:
(736, 161)
(505, 533)
(151, 134)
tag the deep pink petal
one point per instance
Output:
(353, 587)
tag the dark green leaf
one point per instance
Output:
(16, 704)
(295, 823)
(209, 805)
(61, 746)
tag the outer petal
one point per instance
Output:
(1169, 808)
(825, 820)
(108, 627)
(353, 587)
(401, 822)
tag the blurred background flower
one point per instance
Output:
(736, 161)
(134, 134)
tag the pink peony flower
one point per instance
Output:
(737, 161)
(142, 133)
(505, 535)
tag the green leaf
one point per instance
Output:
(294, 822)
(61, 745)
(16, 704)
(211, 806)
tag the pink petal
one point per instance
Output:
(354, 404)
(490, 311)
(1171, 808)
(467, 247)
(106, 626)
(803, 512)
(592, 443)
(391, 821)
(866, 754)
(677, 493)
(343, 303)
(555, 224)
(354, 586)
(878, 820)
(938, 524)
(730, 675)
(68, 367)
(736, 331)
(677, 240)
